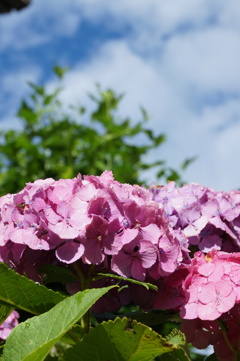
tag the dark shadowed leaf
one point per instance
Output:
(148, 286)
(5, 312)
(20, 292)
(176, 355)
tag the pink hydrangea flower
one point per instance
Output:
(7, 326)
(210, 288)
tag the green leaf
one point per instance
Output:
(38, 89)
(27, 113)
(51, 358)
(187, 162)
(5, 312)
(148, 286)
(119, 340)
(33, 339)
(59, 71)
(54, 273)
(20, 292)
(153, 318)
(144, 114)
(176, 337)
(176, 355)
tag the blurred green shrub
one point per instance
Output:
(55, 142)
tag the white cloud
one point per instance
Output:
(15, 87)
(44, 19)
(229, 14)
(204, 61)
(41, 21)
(116, 66)
(216, 138)
(190, 132)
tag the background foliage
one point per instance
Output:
(54, 141)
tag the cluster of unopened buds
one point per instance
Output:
(184, 240)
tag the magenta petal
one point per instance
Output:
(148, 254)
(210, 242)
(218, 223)
(70, 252)
(112, 244)
(137, 270)
(169, 253)
(93, 253)
(121, 264)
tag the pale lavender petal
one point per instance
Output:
(27, 237)
(128, 235)
(64, 230)
(151, 233)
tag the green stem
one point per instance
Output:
(85, 284)
(186, 349)
(74, 336)
(85, 324)
(80, 276)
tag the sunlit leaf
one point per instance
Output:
(120, 340)
(33, 339)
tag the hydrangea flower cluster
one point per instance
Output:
(185, 240)
(7, 326)
(208, 219)
(96, 220)
(212, 285)
(206, 291)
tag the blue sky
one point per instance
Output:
(177, 58)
